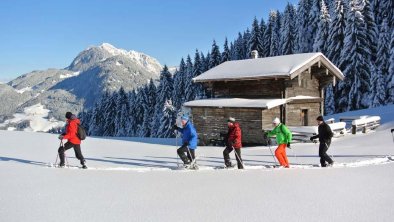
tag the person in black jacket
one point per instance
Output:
(325, 135)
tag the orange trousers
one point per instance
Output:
(280, 154)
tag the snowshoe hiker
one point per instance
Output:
(189, 143)
(283, 139)
(324, 134)
(73, 140)
(233, 142)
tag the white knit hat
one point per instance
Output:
(231, 119)
(276, 120)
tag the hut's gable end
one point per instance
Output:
(305, 84)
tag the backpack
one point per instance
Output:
(81, 132)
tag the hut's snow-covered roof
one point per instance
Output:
(243, 103)
(287, 66)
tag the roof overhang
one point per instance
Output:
(248, 103)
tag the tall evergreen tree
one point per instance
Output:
(390, 78)
(167, 120)
(179, 85)
(164, 93)
(109, 115)
(189, 89)
(263, 28)
(149, 108)
(226, 55)
(354, 93)
(255, 42)
(288, 30)
(320, 44)
(122, 116)
(304, 31)
(275, 35)
(336, 34)
(216, 57)
(314, 20)
(246, 37)
(379, 81)
(198, 70)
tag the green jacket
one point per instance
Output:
(283, 134)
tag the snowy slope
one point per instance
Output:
(135, 179)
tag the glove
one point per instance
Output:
(392, 130)
(175, 127)
(311, 139)
(288, 145)
(185, 144)
(230, 144)
(61, 137)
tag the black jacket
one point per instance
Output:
(325, 133)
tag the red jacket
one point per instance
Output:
(234, 136)
(71, 130)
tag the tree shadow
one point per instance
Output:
(32, 162)
(147, 140)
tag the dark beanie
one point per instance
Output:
(68, 115)
(320, 118)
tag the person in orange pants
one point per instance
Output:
(283, 138)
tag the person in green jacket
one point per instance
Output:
(283, 138)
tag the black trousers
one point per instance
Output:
(77, 150)
(187, 155)
(227, 160)
(324, 157)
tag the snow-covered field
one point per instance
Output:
(136, 179)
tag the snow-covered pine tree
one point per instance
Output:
(255, 41)
(329, 100)
(216, 57)
(288, 30)
(138, 112)
(336, 34)
(197, 70)
(372, 31)
(132, 95)
(246, 37)
(314, 20)
(149, 108)
(304, 32)
(122, 117)
(267, 38)
(109, 115)
(179, 85)
(167, 120)
(189, 89)
(275, 35)
(354, 91)
(226, 55)
(320, 44)
(163, 96)
(263, 28)
(98, 116)
(390, 77)
(379, 81)
(238, 47)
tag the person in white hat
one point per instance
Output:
(283, 138)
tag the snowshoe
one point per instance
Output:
(84, 166)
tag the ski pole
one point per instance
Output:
(237, 156)
(269, 146)
(176, 146)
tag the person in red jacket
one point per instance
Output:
(234, 141)
(73, 140)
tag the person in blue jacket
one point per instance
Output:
(189, 141)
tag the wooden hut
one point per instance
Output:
(255, 91)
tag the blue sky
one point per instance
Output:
(41, 34)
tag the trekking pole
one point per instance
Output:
(57, 156)
(236, 155)
(176, 147)
(193, 159)
(269, 145)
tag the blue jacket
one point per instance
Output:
(189, 135)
